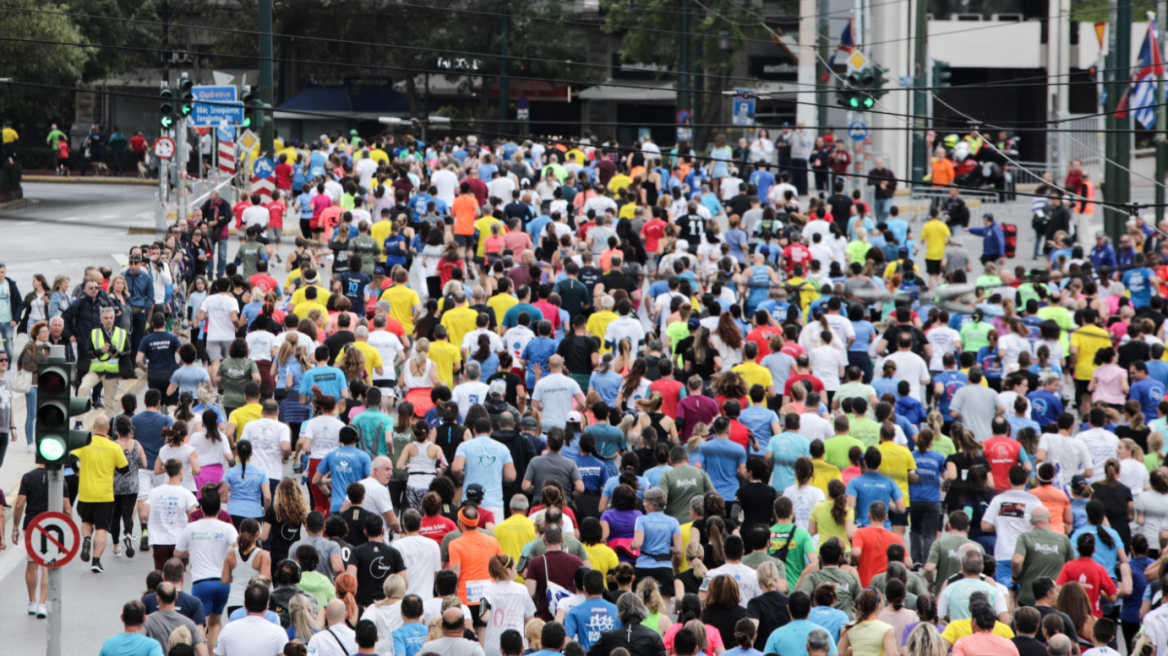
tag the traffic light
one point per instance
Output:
(879, 81)
(856, 91)
(55, 405)
(186, 96)
(166, 108)
(249, 98)
(942, 74)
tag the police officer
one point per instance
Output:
(107, 345)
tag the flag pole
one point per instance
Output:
(1159, 21)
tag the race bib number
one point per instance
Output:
(475, 590)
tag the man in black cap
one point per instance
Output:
(474, 496)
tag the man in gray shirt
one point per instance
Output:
(956, 259)
(331, 562)
(552, 465)
(976, 406)
(162, 622)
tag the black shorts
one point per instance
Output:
(465, 241)
(139, 156)
(162, 384)
(986, 259)
(101, 515)
(476, 621)
(898, 519)
(933, 267)
(663, 576)
(1081, 388)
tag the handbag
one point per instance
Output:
(555, 592)
(20, 381)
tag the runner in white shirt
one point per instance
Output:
(911, 367)
(421, 555)
(470, 341)
(511, 605)
(389, 346)
(336, 639)
(1069, 454)
(271, 441)
(944, 340)
(366, 168)
(746, 577)
(206, 544)
(516, 339)
(257, 214)
(260, 343)
(1101, 443)
(446, 180)
(472, 392)
(1009, 514)
(377, 499)
(253, 635)
(625, 327)
(167, 508)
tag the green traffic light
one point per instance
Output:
(868, 103)
(167, 122)
(854, 102)
(186, 110)
(247, 122)
(52, 449)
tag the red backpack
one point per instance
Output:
(1011, 232)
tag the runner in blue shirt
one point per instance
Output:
(784, 449)
(658, 536)
(925, 497)
(536, 353)
(592, 617)
(330, 380)
(345, 464)
(946, 384)
(761, 420)
(723, 460)
(1147, 390)
(1045, 404)
(874, 486)
(1139, 282)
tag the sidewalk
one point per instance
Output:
(88, 180)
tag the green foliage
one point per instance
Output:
(10, 175)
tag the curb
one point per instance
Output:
(56, 179)
(18, 204)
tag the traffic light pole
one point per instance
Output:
(163, 187)
(181, 188)
(268, 125)
(56, 504)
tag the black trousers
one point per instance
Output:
(124, 514)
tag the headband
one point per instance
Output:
(467, 520)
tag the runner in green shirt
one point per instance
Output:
(1038, 553)
(975, 334)
(788, 542)
(835, 449)
(847, 585)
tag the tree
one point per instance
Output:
(49, 63)
(650, 31)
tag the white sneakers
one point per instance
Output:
(29, 448)
(40, 610)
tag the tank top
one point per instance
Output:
(423, 468)
(446, 439)
(655, 421)
(650, 188)
(306, 209)
(241, 575)
(867, 638)
(128, 483)
(410, 381)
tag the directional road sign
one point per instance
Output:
(263, 168)
(216, 106)
(164, 148)
(225, 134)
(857, 131)
(52, 539)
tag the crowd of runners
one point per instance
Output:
(712, 402)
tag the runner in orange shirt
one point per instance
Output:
(470, 558)
(465, 210)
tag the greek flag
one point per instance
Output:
(1141, 93)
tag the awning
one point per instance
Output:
(531, 89)
(326, 103)
(642, 93)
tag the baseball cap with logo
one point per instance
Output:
(498, 387)
(475, 492)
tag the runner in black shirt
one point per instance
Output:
(580, 350)
(373, 561)
(589, 275)
(32, 500)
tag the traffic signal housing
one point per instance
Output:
(54, 408)
(186, 96)
(942, 74)
(166, 107)
(249, 98)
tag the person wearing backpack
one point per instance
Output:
(789, 543)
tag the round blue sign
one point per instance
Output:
(857, 131)
(225, 134)
(263, 168)
(522, 103)
(684, 116)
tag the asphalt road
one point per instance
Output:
(77, 225)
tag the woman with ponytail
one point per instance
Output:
(868, 636)
(833, 518)
(1109, 551)
(894, 613)
(650, 594)
(250, 495)
(1117, 500)
(716, 542)
(176, 446)
(244, 561)
(511, 605)
(689, 609)
(346, 588)
(770, 607)
(690, 581)
(212, 449)
(1132, 472)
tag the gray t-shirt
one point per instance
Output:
(324, 547)
(552, 465)
(956, 259)
(978, 406)
(555, 392)
(161, 623)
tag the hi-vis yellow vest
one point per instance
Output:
(103, 363)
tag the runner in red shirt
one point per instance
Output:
(653, 231)
(1089, 574)
(276, 210)
(242, 205)
(794, 254)
(802, 371)
(1001, 451)
(138, 147)
(668, 387)
(284, 174)
(262, 280)
(762, 334)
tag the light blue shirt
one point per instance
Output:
(759, 419)
(791, 640)
(873, 486)
(642, 485)
(607, 385)
(1103, 555)
(346, 465)
(485, 459)
(831, 619)
(721, 459)
(246, 491)
(188, 378)
(131, 644)
(659, 530)
(786, 449)
(409, 638)
(654, 475)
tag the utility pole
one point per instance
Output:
(504, 69)
(1117, 185)
(683, 80)
(920, 150)
(268, 125)
(1161, 116)
(823, 74)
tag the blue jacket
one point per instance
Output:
(995, 240)
(141, 288)
(1103, 256)
(1126, 256)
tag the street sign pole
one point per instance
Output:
(181, 169)
(56, 504)
(163, 197)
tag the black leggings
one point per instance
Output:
(397, 495)
(124, 514)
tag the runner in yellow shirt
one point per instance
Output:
(404, 303)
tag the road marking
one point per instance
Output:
(120, 258)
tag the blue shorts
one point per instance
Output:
(213, 593)
(465, 241)
(1002, 573)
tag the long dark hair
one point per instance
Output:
(211, 426)
(484, 350)
(1096, 513)
(839, 500)
(183, 411)
(243, 452)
